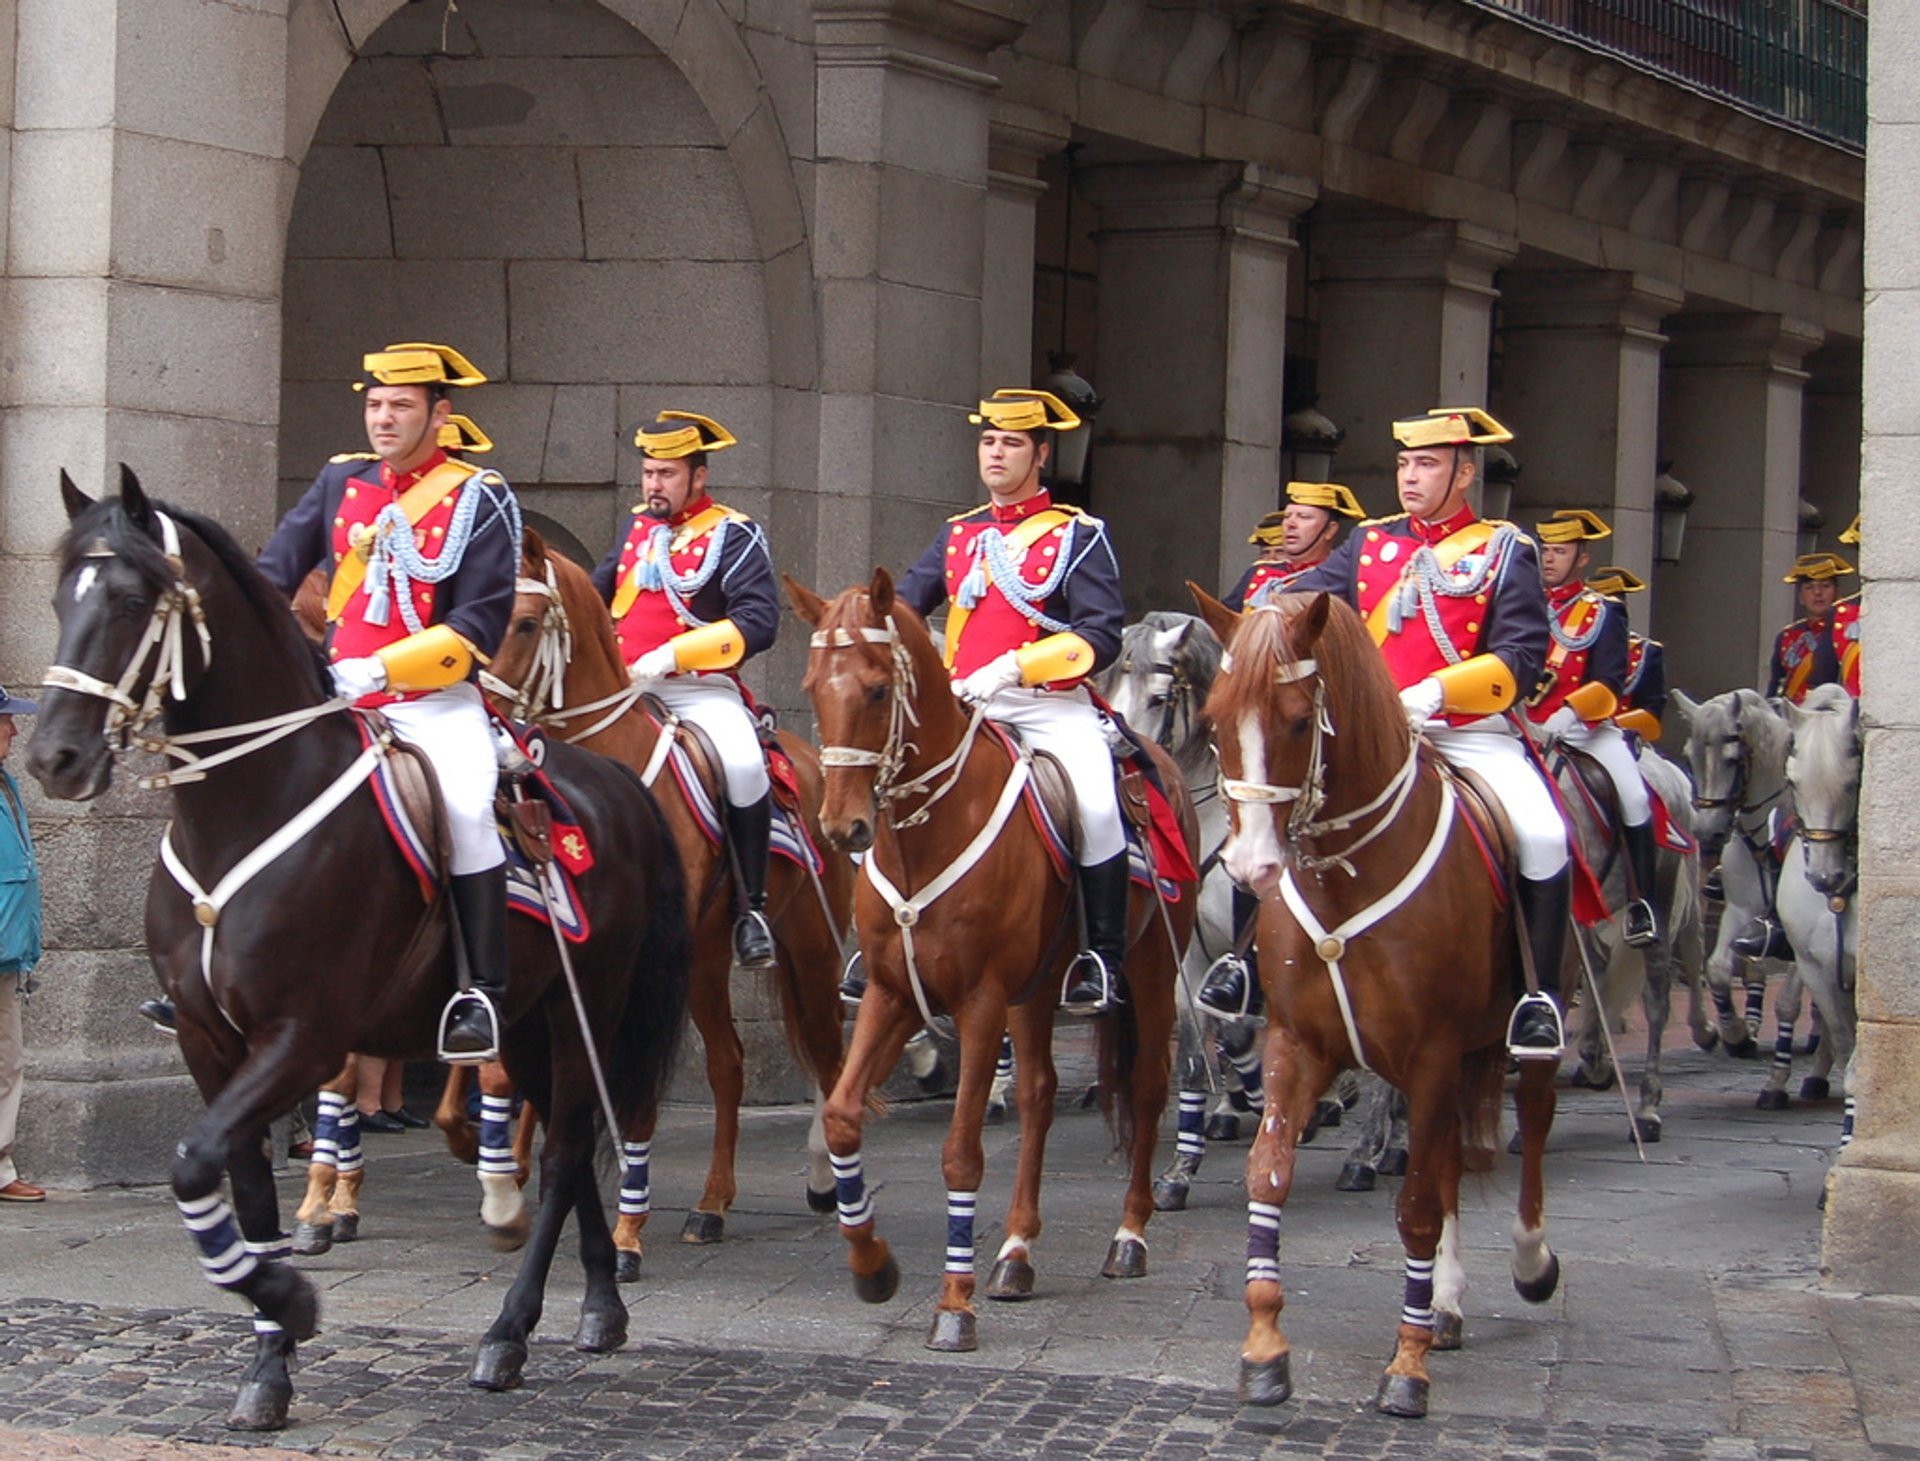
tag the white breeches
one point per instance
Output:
(451, 726)
(1607, 744)
(1065, 724)
(713, 703)
(1492, 749)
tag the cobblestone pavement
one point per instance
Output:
(1690, 1323)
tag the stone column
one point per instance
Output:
(1405, 312)
(1014, 190)
(1872, 1236)
(1580, 389)
(1730, 418)
(141, 325)
(1193, 313)
(1830, 444)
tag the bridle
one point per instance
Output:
(1180, 688)
(543, 690)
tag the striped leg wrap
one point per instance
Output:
(1193, 1124)
(265, 1327)
(1756, 1002)
(1417, 1308)
(850, 1189)
(275, 1250)
(349, 1158)
(636, 1180)
(326, 1130)
(959, 1232)
(496, 1144)
(1846, 1123)
(224, 1256)
(1782, 1046)
(1003, 1067)
(1263, 1243)
(1246, 1065)
(1723, 1005)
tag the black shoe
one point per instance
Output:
(1642, 927)
(1535, 1032)
(470, 1025)
(750, 830)
(1711, 886)
(1229, 992)
(1763, 938)
(1094, 983)
(382, 1122)
(752, 940)
(1641, 930)
(408, 1119)
(161, 1012)
(853, 983)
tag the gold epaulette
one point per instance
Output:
(960, 517)
(1381, 522)
(352, 456)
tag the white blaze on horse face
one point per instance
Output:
(84, 582)
(1252, 854)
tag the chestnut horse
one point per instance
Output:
(1343, 820)
(560, 666)
(976, 924)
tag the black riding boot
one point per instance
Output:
(162, 1013)
(1764, 937)
(1642, 928)
(1094, 983)
(750, 829)
(1231, 990)
(1536, 1031)
(470, 1027)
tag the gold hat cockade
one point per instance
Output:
(1817, 568)
(1328, 495)
(1450, 426)
(1851, 536)
(1021, 409)
(680, 434)
(463, 434)
(1615, 581)
(418, 363)
(1573, 525)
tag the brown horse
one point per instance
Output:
(1343, 821)
(560, 666)
(912, 783)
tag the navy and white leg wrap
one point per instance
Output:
(850, 1190)
(960, 1207)
(1003, 1067)
(348, 1157)
(225, 1257)
(496, 1141)
(1756, 1001)
(636, 1180)
(1846, 1123)
(1782, 1047)
(276, 1250)
(1246, 1065)
(1417, 1308)
(1193, 1124)
(326, 1130)
(1263, 1243)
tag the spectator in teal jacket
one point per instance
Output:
(19, 949)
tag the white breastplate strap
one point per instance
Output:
(1331, 947)
(662, 749)
(907, 911)
(208, 906)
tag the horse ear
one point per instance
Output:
(1220, 619)
(76, 501)
(1688, 709)
(1313, 623)
(533, 548)
(806, 603)
(880, 592)
(133, 497)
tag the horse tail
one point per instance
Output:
(654, 1017)
(1483, 1076)
(1118, 1047)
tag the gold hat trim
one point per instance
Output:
(1269, 531)
(418, 363)
(1851, 536)
(1021, 409)
(1614, 580)
(1817, 568)
(463, 433)
(702, 433)
(1331, 496)
(1450, 426)
(1573, 525)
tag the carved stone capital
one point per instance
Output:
(951, 38)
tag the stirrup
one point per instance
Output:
(853, 979)
(746, 952)
(1641, 930)
(1227, 967)
(1527, 1003)
(162, 1013)
(1106, 996)
(490, 1035)
(1762, 938)
(1712, 887)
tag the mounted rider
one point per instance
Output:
(1580, 689)
(1294, 539)
(692, 595)
(1456, 605)
(1809, 651)
(1036, 609)
(422, 551)
(1643, 695)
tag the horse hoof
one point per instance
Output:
(1331, 1113)
(626, 1265)
(498, 1365)
(600, 1332)
(346, 1227)
(1815, 1088)
(1266, 1382)
(1402, 1395)
(1393, 1162)
(1745, 1050)
(955, 1331)
(1010, 1280)
(1169, 1196)
(1708, 1040)
(310, 1240)
(510, 1237)
(1581, 1080)
(996, 1114)
(703, 1227)
(1223, 1126)
(1126, 1258)
(821, 1202)
(261, 1405)
(1539, 1290)
(1354, 1177)
(879, 1286)
(934, 1081)
(1648, 1127)
(1447, 1330)
(1771, 1100)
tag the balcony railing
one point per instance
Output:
(1802, 63)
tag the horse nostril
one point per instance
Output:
(860, 835)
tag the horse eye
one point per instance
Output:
(136, 606)
(876, 694)
(1154, 702)
(528, 625)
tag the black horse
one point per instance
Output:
(328, 947)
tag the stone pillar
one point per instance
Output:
(1193, 314)
(1830, 444)
(1730, 418)
(1580, 389)
(1872, 1234)
(1405, 311)
(142, 325)
(1014, 190)
(901, 205)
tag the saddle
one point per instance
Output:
(1487, 820)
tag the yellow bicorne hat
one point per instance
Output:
(463, 434)
(1450, 426)
(417, 363)
(1817, 568)
(1021, 409)
(1851, 536)
(680, 434)
(1573, 525)
(1613, 581)
(1270, 531)
(1329, 495)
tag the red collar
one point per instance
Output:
(693, 508)
(1026, 507)
(1560, 597)
(400, 481)
(1813, 626)
(1432, 533)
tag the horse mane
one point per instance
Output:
(591, 627)
(107, 520)
(1764, 729)
(1823, 738)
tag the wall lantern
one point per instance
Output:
(1672, 499)
(1308, 441)
(1069, 462)
(1812, 519)
(1496, 491)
